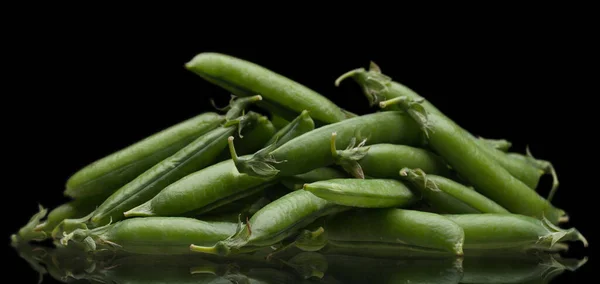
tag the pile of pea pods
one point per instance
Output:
(283, 169)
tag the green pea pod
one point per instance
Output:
(484, 173)
(364, 193)
(357, 269)
(517, 268)
(450, 196)
(312, 150)
(391, 227)
(280, 219)
(108, 174)
(201, 192)
(249, 77)
(382, 90)
(151, 235)
(513, 231)
(325, 173)
(386, 160)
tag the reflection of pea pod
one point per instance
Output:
(308, 264)
(165, 269)
(352, 269)
(516, 268)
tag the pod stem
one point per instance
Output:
(233, 243)
(418, 175)
(33, 229)
(90, 239)
(238, 106)
(260, 164)
(348, 159)
(374, 84)
(558, 234)
(414, 108)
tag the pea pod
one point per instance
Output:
(151, 235)
(249, 77)
(386, 160)
(379, 88)
(512, 231)
(392, 227)
(312, 149)
(278, 220)
(364, 193)
(484, 173)
(108, 174)
(325, 173)
(448, 195)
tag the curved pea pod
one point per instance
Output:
(450, 196)
(380, 90)
(481, 171)
(151, 235)
(108, 174)
(202, 191)
(243, 77)
(194, 157)
(364, 193)
(312, 150)
(386, 160)
(517, 268)
(300, 125)
(278, 220)
(359, 269)
(392, 227)
(513, 231)
(325, 173)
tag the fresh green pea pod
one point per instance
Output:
(201, 192)
(151, 235)
(380, 88)
(217, 185)
(252, 78)
(364, 193)
(312, 149)
(513, 231)
(487, 176)
(434, 187)
(325, 173)
(391, 227)
(280, 219)
(108, 174)
(358, 269)
(386, 160)
(517, 268)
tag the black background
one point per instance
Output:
(77, 90)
